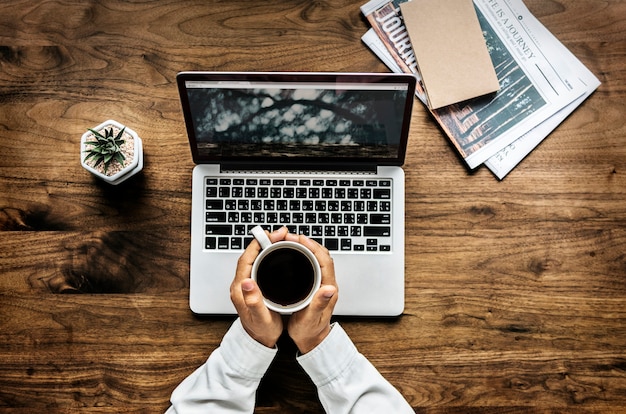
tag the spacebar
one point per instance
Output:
(369, 231)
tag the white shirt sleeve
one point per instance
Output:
(347, 382)
(228, 381)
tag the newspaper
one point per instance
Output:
(541, 83)
(507, 158)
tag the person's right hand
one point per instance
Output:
(311, 325)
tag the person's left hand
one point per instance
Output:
(262, 324)
(311, 325)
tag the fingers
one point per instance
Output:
(279, 234)
(323, 303)
(252, 296)
(246, 260)
(321, 254)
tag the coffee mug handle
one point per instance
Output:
(261, 237)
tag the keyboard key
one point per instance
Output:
(214, 204)
(380, 218)
(370, 231)
(382, 193)
(236, 243)
(216, 217)
(218, 229)
(289, 192)
(222, 243)
(331, 244)
(346, 245)
(210, 243)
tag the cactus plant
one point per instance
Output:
(112, 152)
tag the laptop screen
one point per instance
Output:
(314, 118)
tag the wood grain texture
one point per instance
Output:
(515, 290)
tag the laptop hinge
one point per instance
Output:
(299, 167)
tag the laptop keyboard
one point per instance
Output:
(351, 214)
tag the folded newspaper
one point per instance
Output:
(541, 82)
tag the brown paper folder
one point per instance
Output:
(450, 49)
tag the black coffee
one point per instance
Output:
(285, 276)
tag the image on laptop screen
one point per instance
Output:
(308, 120)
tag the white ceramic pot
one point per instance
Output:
(131, 167)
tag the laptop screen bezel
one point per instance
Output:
(296, 77)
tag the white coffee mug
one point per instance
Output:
(287, 273)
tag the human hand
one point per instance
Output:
(311, 325)
(260, 323)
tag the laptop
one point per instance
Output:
(320, 153)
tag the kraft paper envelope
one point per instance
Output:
(450, 49)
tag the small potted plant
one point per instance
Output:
(112, 152)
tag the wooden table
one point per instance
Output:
(515, 290)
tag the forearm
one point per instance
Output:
(347, 382)
(228, 381)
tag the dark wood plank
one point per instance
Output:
(515, 290)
